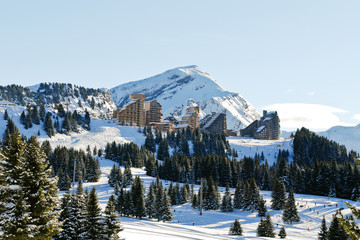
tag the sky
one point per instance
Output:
(301, 58)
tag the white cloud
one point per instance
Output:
(313, 116)
(357, 117)
(311, 94)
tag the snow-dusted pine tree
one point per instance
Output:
(94, 221)
(290, 213)
(265, 228)
(226, 205)
(236, 228)
(278, 195)
(112, 223)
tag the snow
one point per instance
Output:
(260, 129)
(174, 88)
(248, 147)
(216, 224)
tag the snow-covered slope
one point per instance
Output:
(178, 87)
(348, 136)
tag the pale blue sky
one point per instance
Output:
(271, 52)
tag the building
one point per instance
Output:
(214, 123)
(191, 118)
(133, 113)
(153, 112)
(137, 112)
(164, 126)
(268, 127)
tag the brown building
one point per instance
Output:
(137, 112)
(191, 117)
(153, 112)
(164, 126)
(133, 113)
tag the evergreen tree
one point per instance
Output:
(61, 110)
(87, 120)
(323, 230)
(67, 226)
(112, 223)
(28, 195)
(278, 195)
(336, 230)
(6, 115)
(35, 115)
(165, 211)
(349, 223)
(127, 175)
(211, 196)
(48, 125)
(195, 201)
(64, 182)
(40, 191)
(239, 195)
(236, 228)
(137, 191)
(94, 224)
(282, 233)
(119, 203)
(28, 121)
(265, 228)
(226, 205)
(150, 202)
(22, 118)
(262, 208)
(163, 151)
(290, 213)
(66, 124)
(150, 142)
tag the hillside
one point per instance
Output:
(348, 136)
(179, 87)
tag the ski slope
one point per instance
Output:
(216, 224)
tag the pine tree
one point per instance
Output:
(87, 120)
(236, 228)
(163, 150)
(119, 203)
(127, 175)
(150, 202)
(150, 142)
(112, 223)
(226, 205)
(265, 228)
(6, 115)
(239, 195)
(290, 213)
(64, 182)
(323, 230)
(211, 196)
(41, 192)
(67, 226)
(28, 194)
(282, 233)
(66, 124)
(137, 191)
(48, 125)
(278, 195)
(94, 224)
(165, 211)
(262, 208)
(336, 230)
(35, 115)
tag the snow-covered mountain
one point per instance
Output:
(177, 88)
(348, 136)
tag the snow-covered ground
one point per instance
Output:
(248, 147)
(216, 224)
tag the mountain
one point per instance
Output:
(348, 136)
(177, 88)
(97, 102)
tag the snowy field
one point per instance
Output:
(216, 224)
